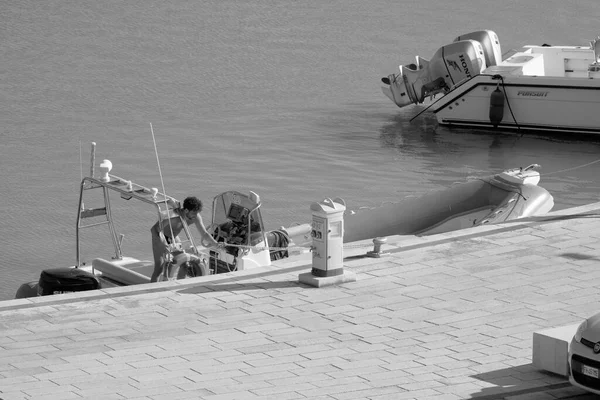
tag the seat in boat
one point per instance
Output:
(124, 271)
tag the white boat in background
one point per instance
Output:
(237, 223)
(545, 88)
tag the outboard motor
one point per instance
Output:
(66, 280)
(463, 59)
(490, 43)
(450, 65)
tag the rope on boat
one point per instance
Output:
(507, 102)
(298, 248)
(574, 168)
(564, 170)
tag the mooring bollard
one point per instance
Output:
(376, 252)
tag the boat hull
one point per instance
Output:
(550, 104)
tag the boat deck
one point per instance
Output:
(551, 61)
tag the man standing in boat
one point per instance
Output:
(165, 232)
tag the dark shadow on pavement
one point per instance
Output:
(514, 382)
(240, 287)
(231, 281)
(579, 256)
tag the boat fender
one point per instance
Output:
(496, 107)
(187, 265)
(193, 269)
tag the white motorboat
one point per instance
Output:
(545, 88)
(237, 223)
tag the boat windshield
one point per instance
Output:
(239, 215)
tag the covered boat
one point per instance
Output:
(509, 195)
(538, 87)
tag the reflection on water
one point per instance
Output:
(569, 165)
(281, 99)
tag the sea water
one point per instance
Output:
(279, 97)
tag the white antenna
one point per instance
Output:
(161, 181)
(158, 163)
(80, 163)
(92, 159)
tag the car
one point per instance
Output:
(584, 355)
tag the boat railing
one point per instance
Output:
(164, 206)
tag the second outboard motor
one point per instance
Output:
(490, 44)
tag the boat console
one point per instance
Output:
(237, 221)
(240, 226)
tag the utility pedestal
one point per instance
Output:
(327, 245)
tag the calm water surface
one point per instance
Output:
(279, 97)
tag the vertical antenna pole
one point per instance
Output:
(159, 170)
(80, 163)
(93, 159)
(162, 183)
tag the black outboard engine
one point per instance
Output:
(66, 280)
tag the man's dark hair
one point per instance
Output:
(193, 204)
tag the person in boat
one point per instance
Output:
(165, 233)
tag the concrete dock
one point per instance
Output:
(446, 317)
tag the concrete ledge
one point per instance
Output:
(309, 279)
(551, 349)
